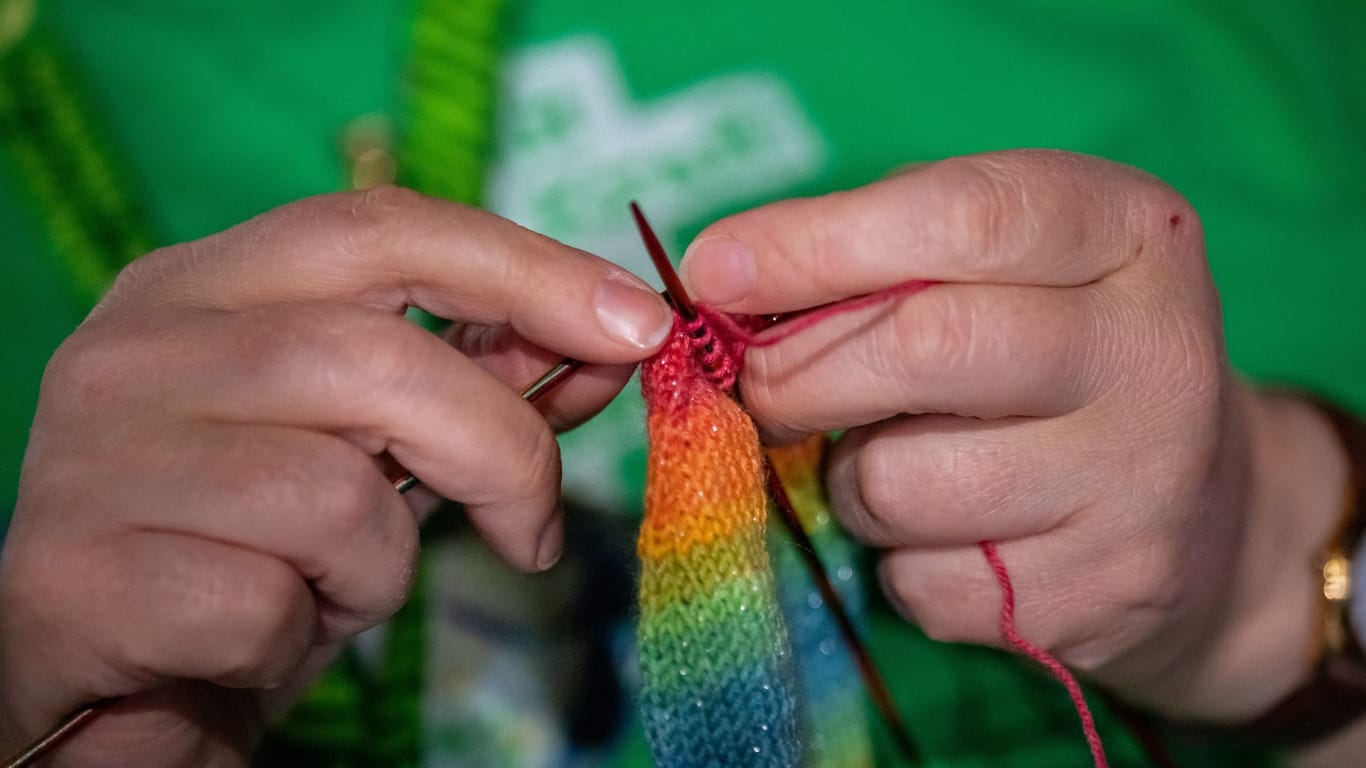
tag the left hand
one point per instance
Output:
(1064, 391)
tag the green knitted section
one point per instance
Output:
(447, 132)
(67, 169)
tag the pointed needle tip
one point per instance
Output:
(673, 286)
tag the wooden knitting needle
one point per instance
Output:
(673, 286)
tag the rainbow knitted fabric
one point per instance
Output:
(718, 686)
(737, 670)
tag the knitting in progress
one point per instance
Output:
(719, 686)
(739, 668)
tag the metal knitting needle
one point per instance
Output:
(57, 735)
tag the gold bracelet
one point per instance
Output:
(1335, 565)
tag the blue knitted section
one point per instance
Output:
(734, 719)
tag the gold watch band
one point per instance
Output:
(1335, 694)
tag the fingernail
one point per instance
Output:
(719, 270)
(630, 311)
(551, 545)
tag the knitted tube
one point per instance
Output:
(717, 683)
(835, 727)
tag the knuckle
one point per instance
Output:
(1158, 209)
(987, 211)
(369, 220)
(403, 568)
(386, 352)
(380, 209)
(831, 230)
(520, 462)
(274, 628)
(376, 208)
(368, 359)
(899, 585)
(937, 626)
(391, 580)
(932, 599)
(935, 334)
(87, 367)
(1151, 582)
(941, 615)
(1164, 225)
(345, 490)
(35, 581)
(929, 493)
(141, 273)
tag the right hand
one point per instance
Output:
(201, 522)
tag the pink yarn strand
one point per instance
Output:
(1043, 657)
(796, 325)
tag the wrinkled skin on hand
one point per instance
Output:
(202, 521)
(1064, 392)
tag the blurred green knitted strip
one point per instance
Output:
(72, 127)
(477, 19)
(75, 143)
(456, 126)
(445, 139)
(460, 56)
(67, 167)
(447, 133)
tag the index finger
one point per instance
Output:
(1024, 217)
(392, 248)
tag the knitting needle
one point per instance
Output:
(673, 286)
(57, 735)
